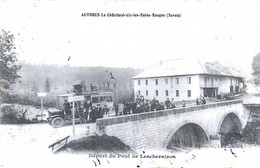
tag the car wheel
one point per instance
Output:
(57, 122)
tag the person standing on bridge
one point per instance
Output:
(153, 105)
(133, 106)
(120, 108)
(116, 109)
(146, 106)
(167, 103)
(183, 103)
(173, 104)
(203, 100)
(125, 108)
(128, 107)
(197, 101)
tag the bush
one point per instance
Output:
(8, 114)
(103, 143)
(9, 119)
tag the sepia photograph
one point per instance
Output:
(127, 83)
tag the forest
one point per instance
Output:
(59, 79)
(21, 81)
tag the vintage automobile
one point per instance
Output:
(57, 118)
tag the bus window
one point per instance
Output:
(95, 100)
(87, 98)
(103, 99)
(109, 98)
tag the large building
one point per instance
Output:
(187, 79)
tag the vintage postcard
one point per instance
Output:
(126, 83)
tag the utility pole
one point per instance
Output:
(41, 95)
(73, 118)
(74, 99)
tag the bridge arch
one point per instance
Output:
(188, 134)
(230, 123)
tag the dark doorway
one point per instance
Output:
(236, 89)
(231, 89)
(210, 92)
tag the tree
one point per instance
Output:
(8, 65)
(256, 69)
(47, 85)
(35, 88)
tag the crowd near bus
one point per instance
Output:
(92, 111)
(87, 111)
(141, 105)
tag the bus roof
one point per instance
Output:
(88, 94)
(96, 93)
(65, 95)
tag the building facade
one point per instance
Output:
(185, 83)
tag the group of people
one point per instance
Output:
(200, 101)
(85, 111)
(91, 113)
(141, 105)
(125, 108)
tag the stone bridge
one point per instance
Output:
(190, 126)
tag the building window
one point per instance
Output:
(139, 92)
(139, 82)
(212, 81)
(156, 81)
(177, 93)
(189, 93)
(156, 92)
(146, 82)
(146, 92)
(177, 81)
(166, 93)
(189, 80)
(166, 81)
(231, 82)
(205, 81)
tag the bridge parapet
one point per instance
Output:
(153, 130)
(101, 123)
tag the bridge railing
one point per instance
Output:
(101, 123)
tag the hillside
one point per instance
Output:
(56, 79)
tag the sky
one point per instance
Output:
(51, 31)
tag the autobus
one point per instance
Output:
(58, 117)
(100, 99)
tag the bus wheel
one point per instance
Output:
(57, 122)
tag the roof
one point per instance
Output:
(79, 82)
(88, 93)
(187, 66)
(65, 95)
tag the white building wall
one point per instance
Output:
(208, 81)
(171, 86)
(223, 83)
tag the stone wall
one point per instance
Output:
(153, 130)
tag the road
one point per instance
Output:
(27, 146)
